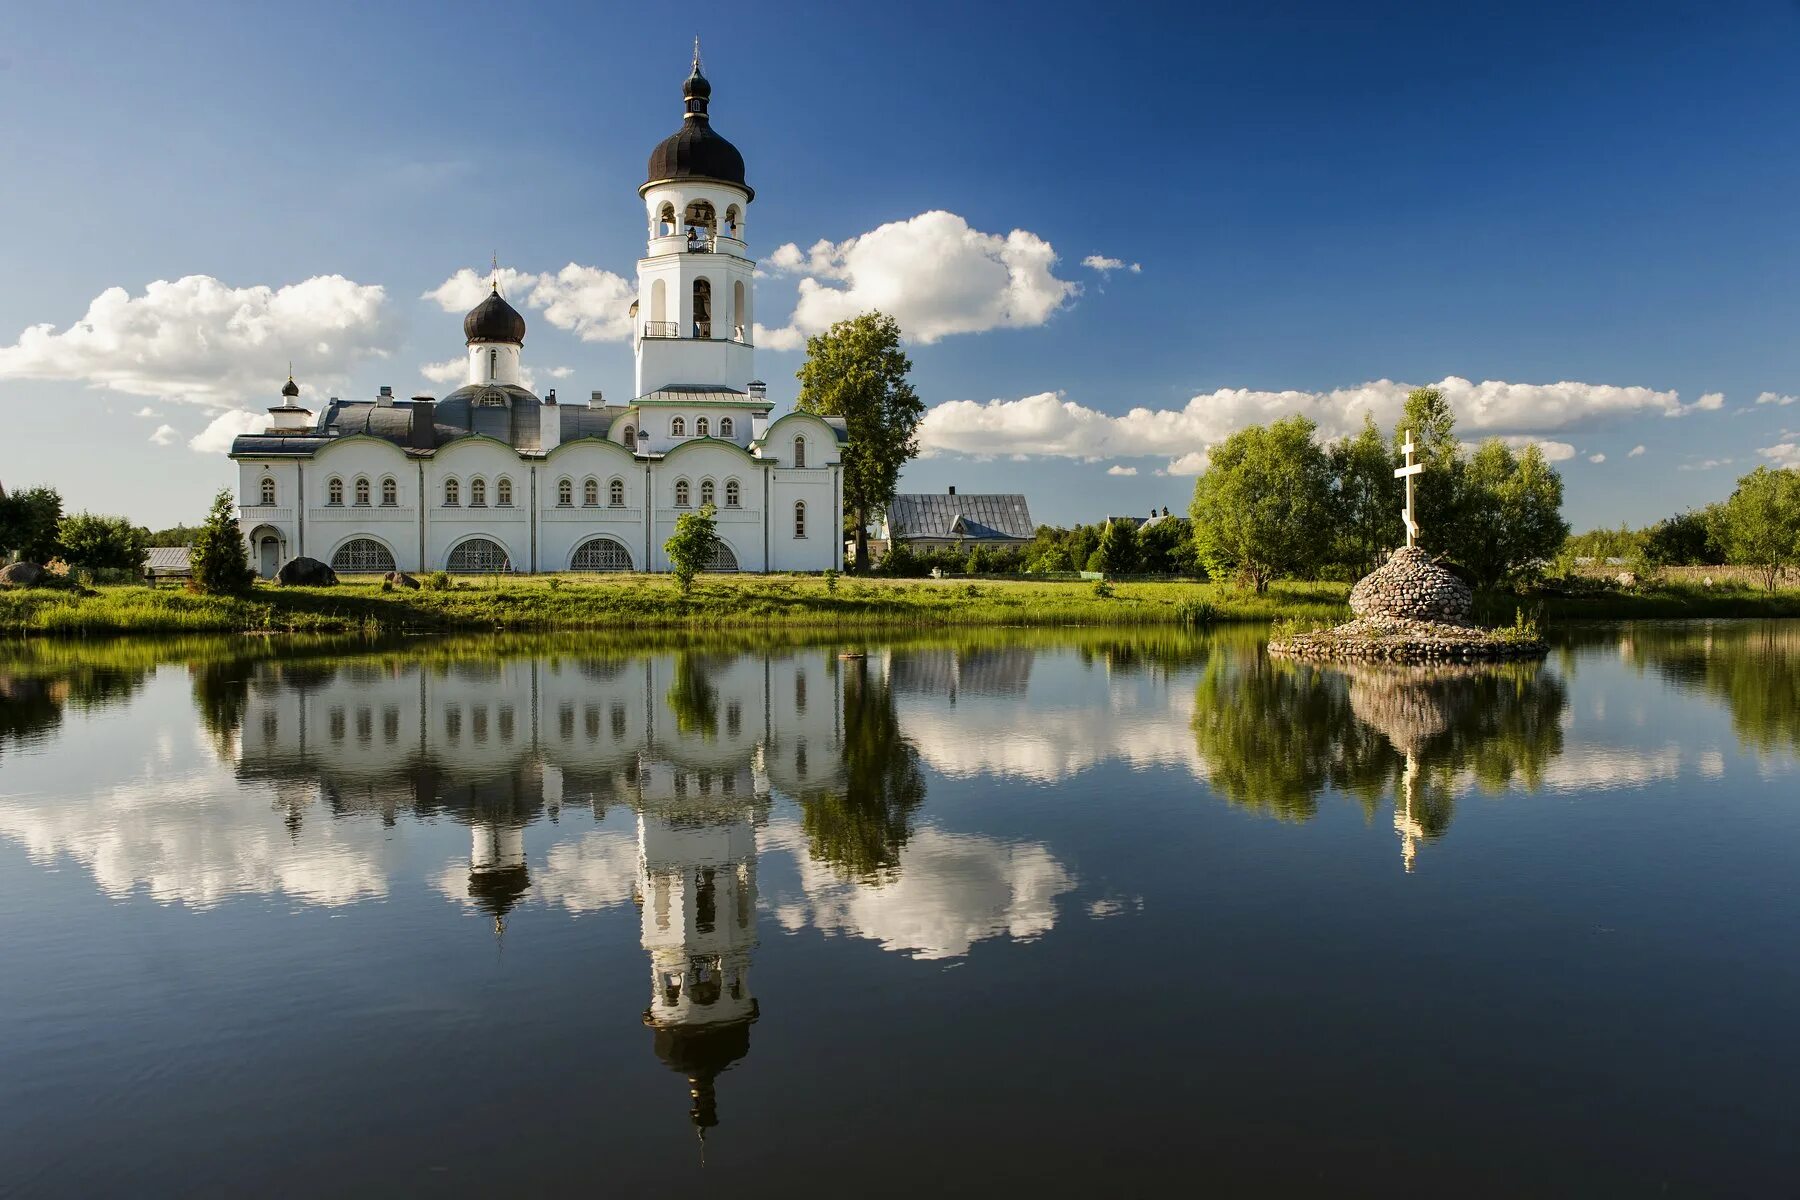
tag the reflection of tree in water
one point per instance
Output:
(693, 699)
(860, 831)
(1753, 668)
(1275, 735)
(32, 701)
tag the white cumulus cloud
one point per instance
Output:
(1776, 398)
(165, 435)
(147, 411)
(451, 370)
(592, 303)
(1048, 424)
(934, 274)
(1783, 454)
(1116, 469)
(1596, 458)
(216, 438)
(202, 341)
(1106, 266)
(1711, 402)
(1637, 451)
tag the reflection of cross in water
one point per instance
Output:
(1405, 825)
(1407, 472)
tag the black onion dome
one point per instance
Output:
(494, 320)
(696, 151)
(290, 389)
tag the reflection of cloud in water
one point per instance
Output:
(950, 891)
(585, 874)
(187, 840)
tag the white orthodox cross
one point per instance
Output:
(1407, 472)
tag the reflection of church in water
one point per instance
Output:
(692, 745)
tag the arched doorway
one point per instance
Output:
(268, 550)
(362, 556)
(601, 554)
(478, 556)
(722, 558)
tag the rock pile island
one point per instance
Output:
(1410, 609)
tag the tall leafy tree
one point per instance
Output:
(1119, 550)
(690, 547)
(1261, 507)
(1761, 523)
(29, 521)
(1366, 496)
(221, 565)
(856, 370)
(1512, 514)
(97, 543)
(1685, 539)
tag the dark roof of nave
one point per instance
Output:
(507, 413)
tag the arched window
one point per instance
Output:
(479, 555)
(678, 428)
(390, 493)
(362, 556)
(702, 308)
(493, 363)
(722, 558)
(733, 494)
(799, 518)
(799, 452)
(630, 438)
(334, 492)
(452, 493)
(706, 492)
(477, 493)
(268, 492)
(740, 311)
(590, 493)
(601, 554)
(731, 221)
(700, 220)
(665, 220)
(681, 493)
(615, 493)
(362, 493)
(503, 492)
(725, 427)
(702, 427)
(565, 493)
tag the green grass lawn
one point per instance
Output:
(721, 602)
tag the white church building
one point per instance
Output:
(494, 478)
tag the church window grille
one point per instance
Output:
(703, 308)
(477, 493)
(702, 427)
(590, 493)
(390, 493)
(615, 493)
(479, 555)
(362, 556)
(678, 428)
(630, 438)
(733, 493)
(706, 492)
(725, 430)
(681, 493)
(452, 493)
(503, 493)
(601, 554)
(268, 492)
(722, 558)
(362, 493)
(334, 493)
(565, 494)
(799, 518)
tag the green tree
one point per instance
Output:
(856, 370)
(1761, 523)
(691, 546)
(1119, 548)
(1511, 514)
(221, 565)
(96, 543)
(175, 535)
(1685, 540)
(29, 520)
(1166, 549)
(1366, 498)
(1261, 507)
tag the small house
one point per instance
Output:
(169, 563)
(934, 520)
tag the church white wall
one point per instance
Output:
(354, 459)
(561, 531)
(493, 362)
(447, 525)
(716, 363)
(698, 463)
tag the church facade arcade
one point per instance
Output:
(493, 478)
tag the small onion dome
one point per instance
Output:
(290, 389)
(695, 151)
(494, 320)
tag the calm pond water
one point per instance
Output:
(1084, 914)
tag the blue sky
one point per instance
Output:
(1589, 207)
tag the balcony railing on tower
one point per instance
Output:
(662, 329)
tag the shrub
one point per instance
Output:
(220, 563)
(1102, 589)
(437, 581)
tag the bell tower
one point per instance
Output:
(695, 282)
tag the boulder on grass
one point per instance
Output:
(25, 575)
(401, 579)
(306, 572)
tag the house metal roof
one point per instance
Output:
(1000, 515)
(170, 560)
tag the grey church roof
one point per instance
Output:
(506, 413)
(945, 515)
